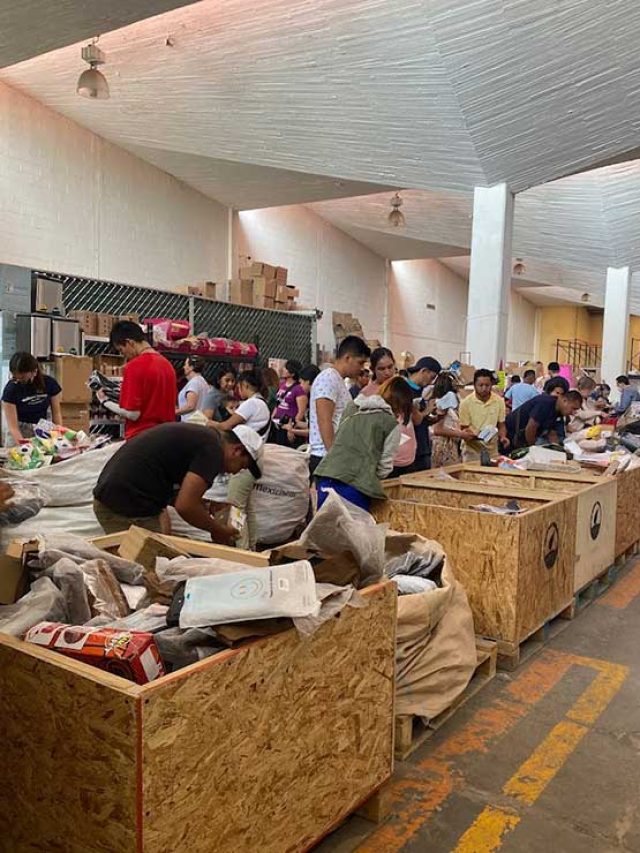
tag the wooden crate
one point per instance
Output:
(628, 517)
(265, 747)
(411, 732)
(595, 516)
(517, 570)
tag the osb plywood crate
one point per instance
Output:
(595, 511)
(265, 747)
(517, 570)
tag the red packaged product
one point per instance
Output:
(129, 654)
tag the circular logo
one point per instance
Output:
(247, 588)
(551, 545)
(595, 522)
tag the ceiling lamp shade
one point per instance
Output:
(519, 268)
(396, 218)
(92, 83)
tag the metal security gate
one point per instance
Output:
(278, 334)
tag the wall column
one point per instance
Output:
(489, 276)
(615, 328)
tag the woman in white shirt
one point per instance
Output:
(252, 411)
(191, 397)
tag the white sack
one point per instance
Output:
(281, 496)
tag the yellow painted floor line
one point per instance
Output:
(488, 831)
(436, 777)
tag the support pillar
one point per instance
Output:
(615, 328)
(490, 276)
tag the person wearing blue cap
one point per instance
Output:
(420, 376)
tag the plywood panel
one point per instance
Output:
(628, 520)
(471, 497)
(69, 747)
(595, 531)
(546, 564)
(265, 748)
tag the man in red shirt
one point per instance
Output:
(148, 395)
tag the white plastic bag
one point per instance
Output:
(267, 593)
(281, 496)
(44, 603)
(340, 526)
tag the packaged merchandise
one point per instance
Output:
(43, 601)
(130, 654)
(251, 594)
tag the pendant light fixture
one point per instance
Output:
(92, 83)
(396, 218)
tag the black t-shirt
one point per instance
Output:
(543, 411)
(142, 477)
(32, 405)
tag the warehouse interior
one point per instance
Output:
(461, 181)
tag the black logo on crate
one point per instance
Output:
(595, 522)
(551, 545)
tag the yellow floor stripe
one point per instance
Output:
(532, 777)
(486, 833)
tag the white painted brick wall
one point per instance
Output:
(74, 203)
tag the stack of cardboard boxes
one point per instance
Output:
(260, 285)
(100, 325)
(344, 325)
(72, 373)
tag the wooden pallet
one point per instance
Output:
(624, 558)
(511, 656)
(411, 732)
(593, 590)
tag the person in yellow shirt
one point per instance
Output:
(481, 410)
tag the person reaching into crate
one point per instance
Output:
(365, 445)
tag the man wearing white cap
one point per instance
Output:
(172, 464)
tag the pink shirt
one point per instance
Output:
(406, 454)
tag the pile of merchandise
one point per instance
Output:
(50, 443)
(176, 336)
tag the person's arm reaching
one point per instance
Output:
(190, 405)
(128, 414)
(503, 438)
(226, 426)
(324, 413)
(11, 415)
(531, 432)
(56, 410)
(389, 451)
(190, 507)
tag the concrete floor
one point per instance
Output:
(543, 760)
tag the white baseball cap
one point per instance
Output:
(254, 446)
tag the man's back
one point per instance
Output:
(148, 387)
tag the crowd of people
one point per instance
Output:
(361, 420)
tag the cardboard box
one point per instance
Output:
(195, 290)
(104, 324)
(264, 287)
(292, 292)
(281, 275)
(266, 270)
(88, 321)
(72, 373)
(247, 273)
(131, 318)
(281, 293)
(241, 292)
(264, 302)
(13, 579)
(109, 365)
(75, 416)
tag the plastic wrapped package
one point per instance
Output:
(341, 527)
(280, 498)
(53, 546)
(265, 593)
(44, 602)
(107, 597)
(149, 620)
(70, 580)
(26, 502)
(419, 565)
(413, 584)
(181, 648)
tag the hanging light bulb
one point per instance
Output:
(396, 218)
(519, 268)
(92, 83)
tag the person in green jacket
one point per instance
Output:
(365, 445)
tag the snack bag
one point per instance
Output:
(129, 654)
